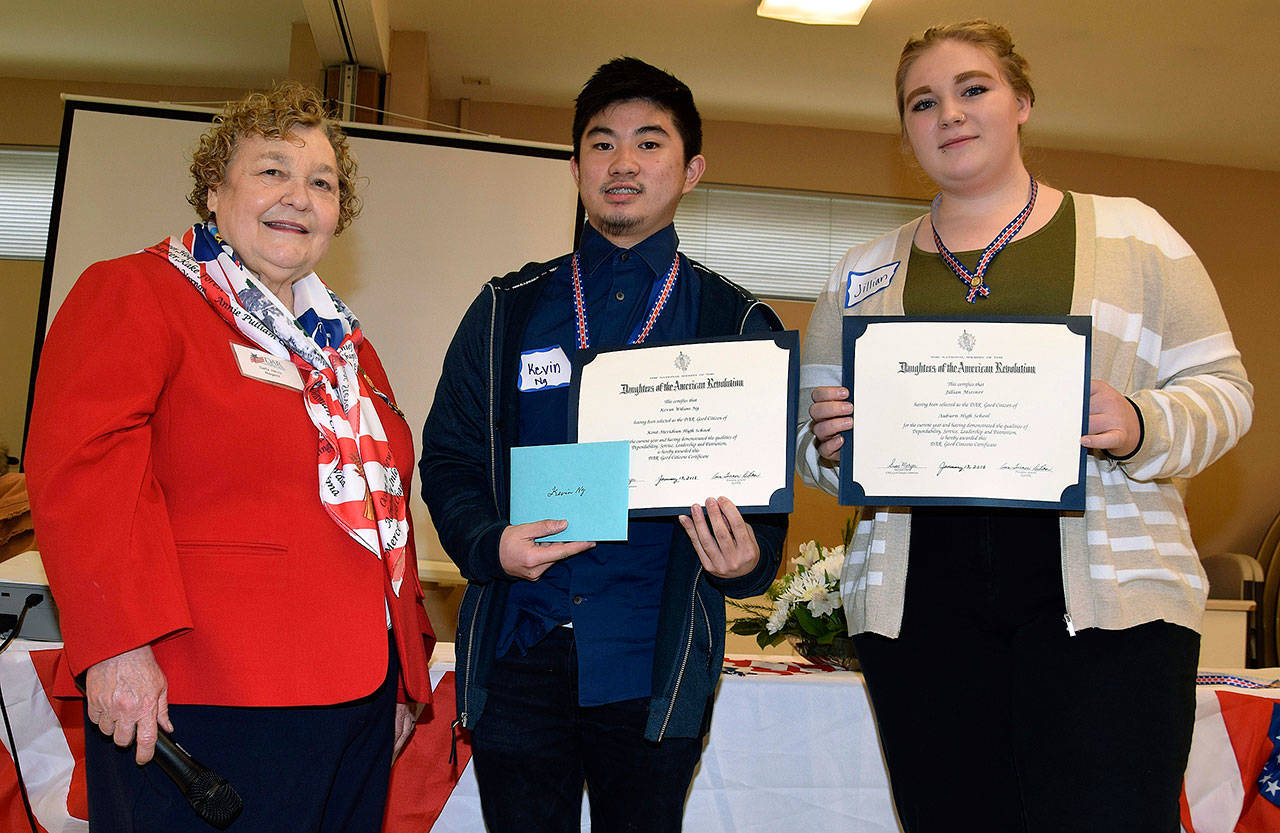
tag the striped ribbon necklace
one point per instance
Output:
(976, 280)
(657, 300)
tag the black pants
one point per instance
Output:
(534, 748)
(321, 769)
(993, 718)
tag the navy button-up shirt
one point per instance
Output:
(610, 593)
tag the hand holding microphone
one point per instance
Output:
(127, 699)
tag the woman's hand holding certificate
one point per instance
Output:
(1114, 425)
(832, 415)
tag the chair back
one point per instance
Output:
(1269, 558)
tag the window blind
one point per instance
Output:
(26, 198)
(781, 244)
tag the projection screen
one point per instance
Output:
(442, 214)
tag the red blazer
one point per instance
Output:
(177, 503)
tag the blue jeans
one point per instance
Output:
(534, 748)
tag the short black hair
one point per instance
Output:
(631, 79)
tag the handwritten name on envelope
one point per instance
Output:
(583, 483)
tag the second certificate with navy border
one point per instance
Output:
(965, 410)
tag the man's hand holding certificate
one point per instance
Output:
(966, 411)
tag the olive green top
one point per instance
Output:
(1033, 275)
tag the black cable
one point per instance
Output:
(31, 601)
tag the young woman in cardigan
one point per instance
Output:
(1033, 670)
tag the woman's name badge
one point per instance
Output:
(265, 367)
(860, 286)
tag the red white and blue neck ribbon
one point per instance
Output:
(976, 280)
(359, 484)
(658, 298)
(1235, 681)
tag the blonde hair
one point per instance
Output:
(981, 33)
(275, 114)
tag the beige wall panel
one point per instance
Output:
(408, 80)
(33, 108)
(19, 301)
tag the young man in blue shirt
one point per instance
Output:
(581, 662)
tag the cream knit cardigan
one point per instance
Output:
(1159, 337)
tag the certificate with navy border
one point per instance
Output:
(966, 411)
(705, 418)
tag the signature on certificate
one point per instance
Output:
(959, 467)
(896, 466)
(1026, 469)
(736, 476)
(572, 491)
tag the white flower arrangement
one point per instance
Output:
(805, 602)
(813, 583)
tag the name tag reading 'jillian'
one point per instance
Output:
(966, 411)
(706, 418)
(859, 286)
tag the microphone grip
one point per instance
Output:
(176, 762)
(208, 793)
(214, 800)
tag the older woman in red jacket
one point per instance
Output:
(218, 474)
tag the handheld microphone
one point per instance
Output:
(215, 801)
(208, 793)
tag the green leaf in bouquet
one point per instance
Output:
(849, 525)
(807, 621)
(767, 640)
(747, 626)
(754, 608)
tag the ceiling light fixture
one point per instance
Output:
(824, 12)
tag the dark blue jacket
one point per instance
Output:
(466, 444)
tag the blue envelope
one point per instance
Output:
(584, 483)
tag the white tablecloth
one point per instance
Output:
(784, 753)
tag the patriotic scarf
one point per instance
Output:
(360, 486)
